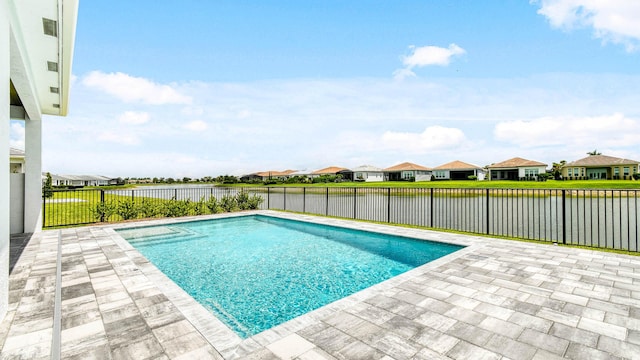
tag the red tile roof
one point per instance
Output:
(602, 160)
(275, 173)
(456, 165)
(516, 162)
(406, 166)
(328, 170)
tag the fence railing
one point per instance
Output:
(596, 218)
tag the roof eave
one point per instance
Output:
(68, 14)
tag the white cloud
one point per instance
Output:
(192, 110)
(431, 55)
(134, 118)
(345, 122)
(612, 20)
(16, 135)
(132, 89)
(427, 56)
(433, 138)
(244, 114)
(613, 130)
(196, 125)
(119, 138)
(403, 73)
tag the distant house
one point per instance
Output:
(267, 175)
(458, 170)
(408, 172)
(365, 173)
(139, 181)
(79, 180)
(600, 167)
(331, 170)
(516, 169)
(16, 161)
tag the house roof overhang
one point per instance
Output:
(42, 39)
(601, 161)
(515, 163)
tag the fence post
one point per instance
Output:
(431, 208)
(388, 205)
(268, 198)
(44, 209)
(327, 203)
(175, 193)
(487, 211)
(304, 200)
(354, 202)
(102, 203)
(564, 217)
(284, 195)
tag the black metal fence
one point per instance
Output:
(596, 218)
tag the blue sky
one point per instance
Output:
(200, 88)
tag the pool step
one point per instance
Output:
(158, 235)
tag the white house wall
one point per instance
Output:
(17, 203)
(522, 170)
(33, 176)
(373, 177)
(5, 65)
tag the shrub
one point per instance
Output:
(149, 209)
(229, 203)
(176, 208)
(47, 188)
(200, 206)
(246, 202)
(242, 199)
(254, 202)
(327, 178)
(472, 177)
(213, 205)
(103, 211)
(127, 209)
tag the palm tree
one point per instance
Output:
(556, 169)
(594, 152)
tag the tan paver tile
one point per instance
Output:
(290, 347)
(139, 348)
(187, 343)
(599, 327)
(465, 350)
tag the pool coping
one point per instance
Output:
(225, 340)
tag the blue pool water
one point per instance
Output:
(255, 272)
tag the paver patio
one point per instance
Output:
(495, 299)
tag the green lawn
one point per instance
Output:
(550, 184)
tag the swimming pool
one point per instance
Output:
(255, 272)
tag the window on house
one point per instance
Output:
(407, 174)
(626, 171)
(576, 172)
(530, 172)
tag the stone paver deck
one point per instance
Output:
(494, 299)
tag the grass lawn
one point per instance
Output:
(462, 184)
